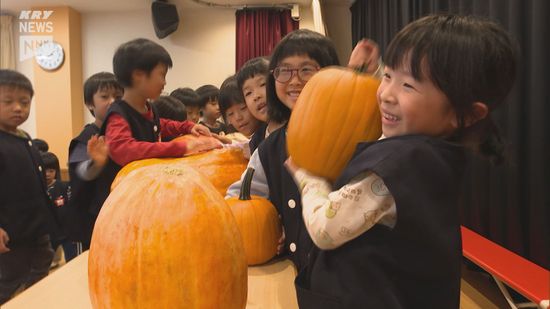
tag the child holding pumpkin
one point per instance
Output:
(388, 235)
(297, 57)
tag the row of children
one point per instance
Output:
(396, 242)
(199, 106)
(126, 128)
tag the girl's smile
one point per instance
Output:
(410, 106)
(289, 91)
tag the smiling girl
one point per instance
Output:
(387, 233)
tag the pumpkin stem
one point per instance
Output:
(245, 186)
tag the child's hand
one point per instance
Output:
(291, 166)
(98, 150)
(281, 243)
(199, 129)
(222, 138)
(366, 53)
(197, 145)
(4, 239)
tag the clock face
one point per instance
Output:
(49, 55)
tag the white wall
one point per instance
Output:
(306, 18)
(202, 49)
(338, 21)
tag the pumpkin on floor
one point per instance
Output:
(221, 166)
(165, 238)
(336, 110)
(258, 222)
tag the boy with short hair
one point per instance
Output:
(169, 107)
(100, 91)
(191, 100)
(132, 128)
(234, 109)
(251, 80)
(40, 144)
(210, 109)
(26, 214)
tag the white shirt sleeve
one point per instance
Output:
(334, 218)
(87, 170)
(259, 180)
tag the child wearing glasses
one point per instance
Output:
(297, 57)
(387, 232)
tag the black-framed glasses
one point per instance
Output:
(283, 74)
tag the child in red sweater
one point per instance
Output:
(132, 128)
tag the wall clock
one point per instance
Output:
(50, 55)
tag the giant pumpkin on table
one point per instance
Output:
(221, 166)
(166, 239)
(336, 110)
(258, 222)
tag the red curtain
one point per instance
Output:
(259, 30)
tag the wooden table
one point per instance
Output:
(269, 286)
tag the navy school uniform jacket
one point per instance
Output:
(77, 220)
(417, 263)
(257, 137)
(142, 130)
(26, 212)
(59, 196)
(96, 191)
(284, 194)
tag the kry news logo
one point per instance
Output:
(37, 26)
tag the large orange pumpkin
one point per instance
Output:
(165, 238)
(336, 109)
(258, 222)
(221, 166)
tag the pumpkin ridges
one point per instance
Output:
(357, 116)
(316, 143)
(231, 161)
(327, 140)
(253, 216)
(299, 115)
(142, 214)
(343, 141)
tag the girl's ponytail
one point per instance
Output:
(484, 138)
(492, 146)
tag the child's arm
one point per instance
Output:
(334, 218)
(221, 138)
(4, 239)
(176, 128)
(366, 56)
(124, 148)
(98, 152)
(259, 180)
